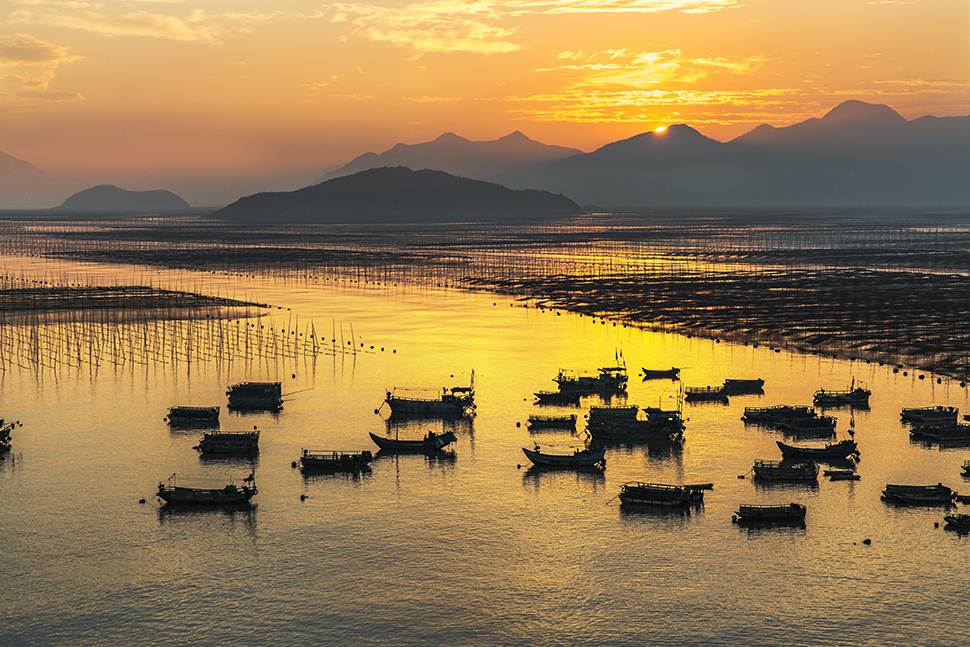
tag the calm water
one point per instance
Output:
(472, 548)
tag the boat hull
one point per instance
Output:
(837, 451)
(229, 495)
(658, 494)
(771, 514)
(430, 443)
(584, 458)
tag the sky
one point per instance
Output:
(144, 93)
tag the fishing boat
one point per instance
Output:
(919, 494)
(609, 378)
(958, 522)
(786, 513)
(431, 442)
(189, 416)
(331, 461)
(229, 494)
(784, 471)
(856, 396)
(661, 374)
(552, 422)
(819, 426)
(558, 398)
(658, 494)
(839, 450)
(930, 416)
(949, 433)
(778, 414)
(743, 387)
(841, 475)
(452, 402)
(618, 424)
(229, 442)
(256, 396)
(585, 457)
(705, 394)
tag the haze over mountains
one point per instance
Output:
(111, 199)
(857, 155)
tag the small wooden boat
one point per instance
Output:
(837, 450)
(930, 416)
(841, 475)
(558, 398)
(451, 403)
(229, 442)
(743, 387)
(431, 442)
(705, 394)
(607, 379)
(579, 458)
(661, 374)
(230, 494)
(552, 422)
(188, 416)
(949, 433)
(783, 471)
(958, 522)
(818, 426)
(658, 494)
(256, 396)
(919, 494)
(331, 461)
(787, 513)
(855, 396)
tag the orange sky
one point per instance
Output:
(143, 92)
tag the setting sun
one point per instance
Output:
(660, 129)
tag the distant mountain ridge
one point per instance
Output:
(511, 160)
(109, 198)
(11, 166)
(398, 194)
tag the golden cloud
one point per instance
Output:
(443, 26)
(620, 6)
(27, 67)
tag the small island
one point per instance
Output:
(109, 198)
(398, 194)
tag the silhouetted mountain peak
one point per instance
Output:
(449, 138)
(853, 111)
(11, 166)
(107, 197)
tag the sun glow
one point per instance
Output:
(660, 129)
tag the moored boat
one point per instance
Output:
(705, 394)
(552, 422)
(229, 442)
(786, 513)
(966, 468)
(841, 475)
(838, 450)
(937, 416)
(818, 426)
(453, 402)
(333, 461)
(659, 494)
(743, 387)
(188, 416)
(958, 522)
(778, 414)
(951, 433)
(609, 378)
(585, 457)
(661, 374)
(256, 396)
(785, 471)
(431, 442)
(919, 494)
(229, 494)
(619, 424)
(856, 396)
(558, 398)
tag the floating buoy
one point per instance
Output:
(740, 476)
(141, 500)
(293, 464)
(866, 541)
(294, 376)
(518, 424)
(376, 410)
(302, 497)
(936, 524)
(734, 518)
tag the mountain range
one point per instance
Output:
(857, 155)
(109, 198)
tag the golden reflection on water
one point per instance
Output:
(470, 545)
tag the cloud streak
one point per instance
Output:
(27, 67)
